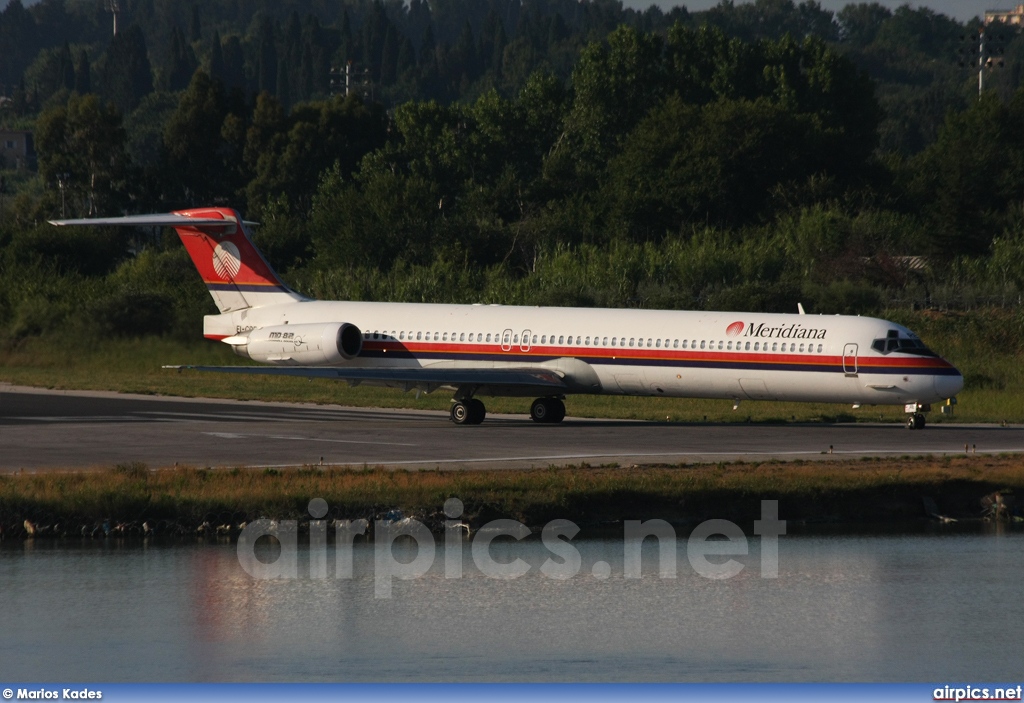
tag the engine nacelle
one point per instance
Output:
(302, 345)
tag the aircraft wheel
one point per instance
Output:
(460, 413)
(477, 411)
(540, 411)
(915, 422)
(547, 410)
(557, 410)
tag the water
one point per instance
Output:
(910, 607)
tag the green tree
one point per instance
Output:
(85, 140)
(181, 62)
(200, 161)
(687, 166)
(127, 76)
(967, 180)
(83, 74)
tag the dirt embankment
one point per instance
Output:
(135, 500)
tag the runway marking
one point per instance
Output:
(232, 435)
(222, 416)
(301, 416)
(74, 418)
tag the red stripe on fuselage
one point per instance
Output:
(864, 363)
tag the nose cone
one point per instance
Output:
(949, 386)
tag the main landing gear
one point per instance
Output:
(915, 421)
(468, 412)
(547, 410)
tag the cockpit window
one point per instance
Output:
(894, 343)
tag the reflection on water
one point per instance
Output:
(906, 607)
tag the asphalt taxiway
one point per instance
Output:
(41, 429)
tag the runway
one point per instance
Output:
(42, 430)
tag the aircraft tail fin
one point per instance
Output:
(233, 269)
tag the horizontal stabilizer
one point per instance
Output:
(167, 219)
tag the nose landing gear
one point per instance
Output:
(916, 419)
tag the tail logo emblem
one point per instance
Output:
(226, 260)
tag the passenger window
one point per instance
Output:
(632, 340)
(719, 346)
(515, 339)
(757, 346)
(801, 347)
(462, 337)
(561, 339)
(534, 339)
(657, 343)
(488, 336)
(819, 348)
(419, 335)
(543, 339)
(775, 346)
(746, 347)
(675, 343)
(684, 344)
(587, 341)
(729, 346)
(445, 337)
(401, 335)
(702, 343)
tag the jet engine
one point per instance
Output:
(300, 345)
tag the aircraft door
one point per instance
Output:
(506, 340)
(524, 344)
(850, 359)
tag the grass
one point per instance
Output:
(847, 491)
(134, 366)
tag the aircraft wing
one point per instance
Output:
(510, 381)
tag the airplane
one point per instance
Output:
(546, 353)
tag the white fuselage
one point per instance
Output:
(636, 352)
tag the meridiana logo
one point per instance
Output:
(226, 260)
(735, 329)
